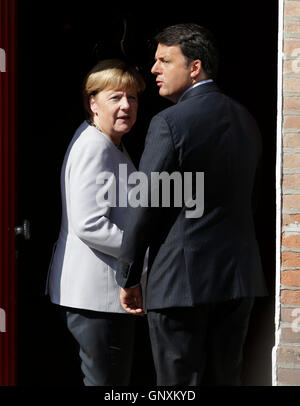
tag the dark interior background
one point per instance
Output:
(58, 42)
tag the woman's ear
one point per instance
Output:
(93, 105)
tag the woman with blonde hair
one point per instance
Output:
(81, 276)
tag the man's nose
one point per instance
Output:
(155, 68)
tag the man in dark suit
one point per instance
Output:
(205, 269)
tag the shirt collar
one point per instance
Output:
(193, 86)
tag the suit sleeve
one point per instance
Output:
(159, 155)
(89, 217)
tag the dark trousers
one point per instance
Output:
(105, 343)
(201, 345)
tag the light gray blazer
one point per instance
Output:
(83, 266)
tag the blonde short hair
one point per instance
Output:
(110, 74)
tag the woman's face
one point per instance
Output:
(114, 111)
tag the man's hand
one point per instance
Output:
(132, 300)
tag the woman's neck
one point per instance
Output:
(116, 138)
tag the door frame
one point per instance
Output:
(8, 283)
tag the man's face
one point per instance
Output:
(173, 73)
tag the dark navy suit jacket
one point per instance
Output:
(214, 257)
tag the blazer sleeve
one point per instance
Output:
(89, 217)
(159, 155)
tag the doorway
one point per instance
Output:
(58, 43)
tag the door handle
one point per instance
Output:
(23, 230)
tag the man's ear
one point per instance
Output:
(196, 68)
